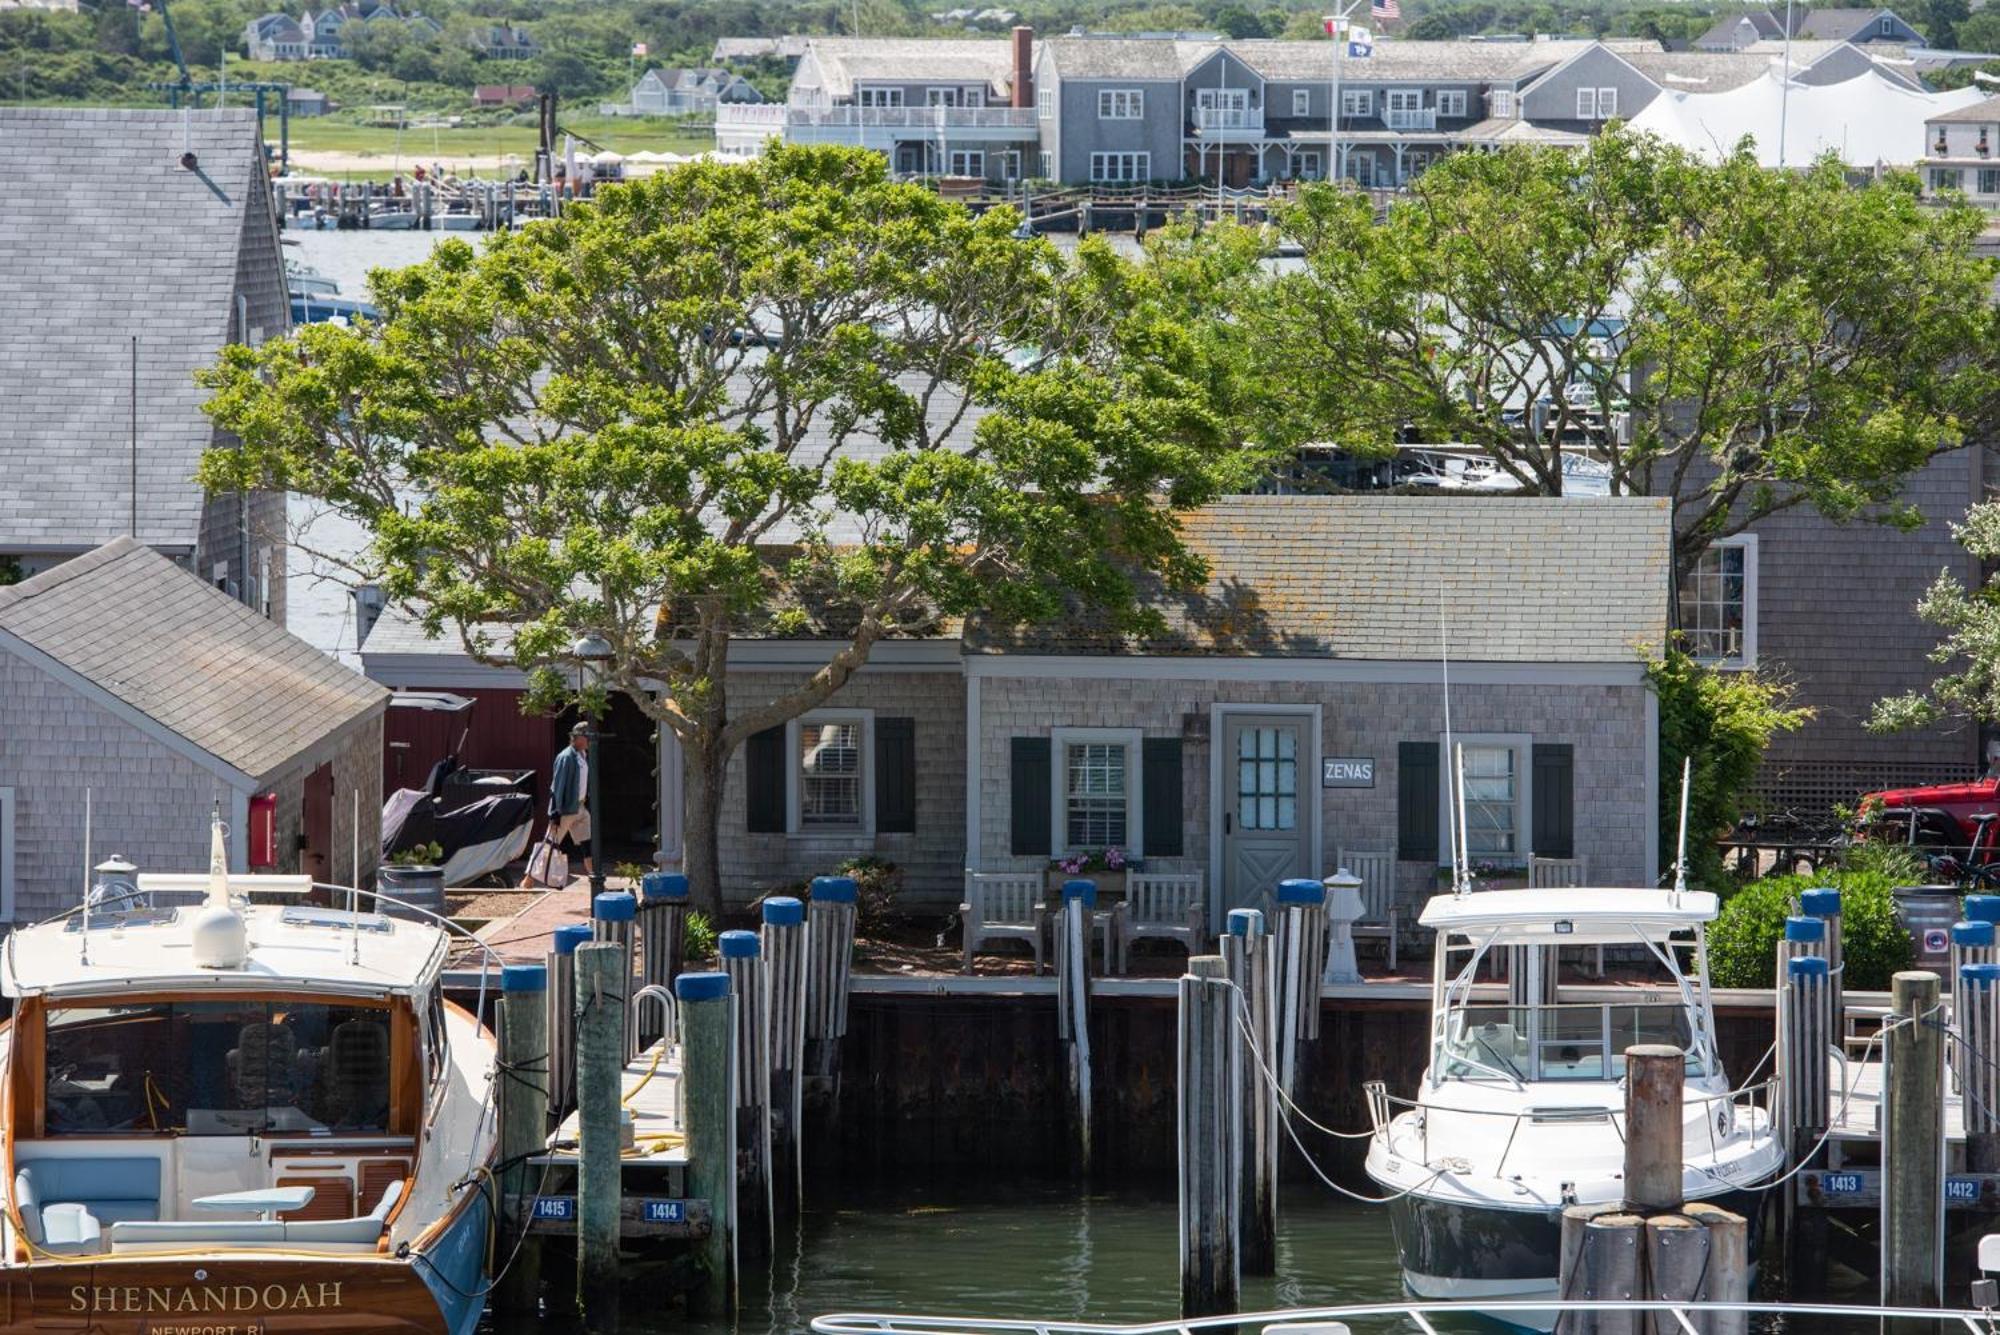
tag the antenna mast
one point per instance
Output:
(86, 877)
(1681, 853)
(1453, 815)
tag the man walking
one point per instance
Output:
(569, 793)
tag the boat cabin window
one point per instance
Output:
(217, 1068)
(437, 1046)
(1559, 1042)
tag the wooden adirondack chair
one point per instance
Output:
(1377, 870)
(1162, 904)
(1556, 873)
(1002, 906)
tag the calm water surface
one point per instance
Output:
(1012, 1249)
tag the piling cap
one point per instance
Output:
(1082, 888)
(834, 889)
(668, 886)
(1805, 929)
(569, 937)
(738, 945)
(702, 986)
(1983, 908)
(784, 911)
(1979, 975)
(1301, 891)
(1821, 903)
(524, 978)
(1245, 922)
(615, 906)
(1972, 933)
(1806, 966)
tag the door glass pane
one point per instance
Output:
(1267, 785)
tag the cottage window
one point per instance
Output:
(1045, 165)
(1947, 178)
(1607, 103)
(1121, 104)
(1267, 779)
(1045, 104)
(1497, 805)
(968, 162)
(1719, 604)
(946, 97)
(1586, 104)
(1094, 792)
(1500, 102)
(829, 788)
(1357, 101)
(1309, 166)
(1451, 102)
(878, 97)
(1886, 26)
(1121, 168)
(1989, 181)
(1301, 102)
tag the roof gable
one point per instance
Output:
(200, 665)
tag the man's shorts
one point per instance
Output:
(574, 827)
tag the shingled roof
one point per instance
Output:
(103, 236)
(1527, 580)
(194, 660)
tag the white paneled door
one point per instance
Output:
(1265, 788)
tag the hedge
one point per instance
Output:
(1743, 942)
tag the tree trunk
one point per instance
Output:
(702, 767)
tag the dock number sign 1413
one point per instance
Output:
(1347, 772)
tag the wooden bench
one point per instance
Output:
(1162, 905)
(1002, 906)
(1377, 870)
(1557, 874)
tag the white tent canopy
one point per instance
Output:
(1867, 120)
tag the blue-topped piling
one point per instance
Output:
(706, 1007)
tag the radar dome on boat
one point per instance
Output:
(219, 938)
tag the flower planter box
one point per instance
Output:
(1110, 884)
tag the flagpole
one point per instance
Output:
(1338, 26)
(1785, 93)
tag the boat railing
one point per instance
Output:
(1402, 1314)
(1382, 1105)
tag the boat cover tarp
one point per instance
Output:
(478, 838)
(1867, 121)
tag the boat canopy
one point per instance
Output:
(1568, 916)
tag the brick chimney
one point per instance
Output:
(1024, 66)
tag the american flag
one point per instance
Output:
(1385, 11)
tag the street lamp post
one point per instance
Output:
(592, 648)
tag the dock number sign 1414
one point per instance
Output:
(1347, 772)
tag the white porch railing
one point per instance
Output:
(1407, 118)
(1208, 119)
(774, 116)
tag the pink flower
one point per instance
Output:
(1114, 858)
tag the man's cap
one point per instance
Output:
(581, 729)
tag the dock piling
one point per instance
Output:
(830, 931)
(1301, 951)
(561, 1022)
(1971, 943)
(1246, 953)
(524, 1118)
(741, 960)
(1211, 1125)
(663, 910)
(1824, 904)
(784, 947)
(1728, 1265)
(600, 1063)
(1977, 1039)
(1677, 1263)
(1655, 1074)
(1079, 904)
(1805, 1038)
(707, 1026)
(1913, 1145)
(612, 917)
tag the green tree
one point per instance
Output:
(635, 421)
(564, 73)
(1772, 338)
(1942, 21)
(1970, 646)
(1981, 32)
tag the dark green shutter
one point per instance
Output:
(1417, 801)
(1555, 801)
(1028, 796)
(1161, 785)
(764, 781)
(896, 775)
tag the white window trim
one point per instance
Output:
(1392, 99)
(1523, 746)
(794, 827)
(1748, 662)
(7, 822)
(1218, 797)
(1142, 168)
(954, 96)
(1607, 103)
(1109, 100)
(1457, 100)
(870, 96)
(1311, 165)
(1357, 101)
(1501, 103)
(1586, 104)
(1045, 104)
(1060, 740)
(1302, 102)
(967, 157)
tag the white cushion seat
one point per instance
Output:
(69, 1227)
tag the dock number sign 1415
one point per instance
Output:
(1347, 772)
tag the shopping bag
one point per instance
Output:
(548, 865)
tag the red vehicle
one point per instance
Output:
(1958, 820)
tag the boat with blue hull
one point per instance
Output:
(230, 1107)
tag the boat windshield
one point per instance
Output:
(1531, 1043)
(217, 1068)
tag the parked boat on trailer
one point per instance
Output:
(240, 1115)
(1518, 1113)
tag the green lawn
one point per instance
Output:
(336, 134)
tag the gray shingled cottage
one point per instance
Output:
(124, 675)
(121, 273)
(1315, 641)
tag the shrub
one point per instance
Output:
(698, 938)
(876, 883)
(421, 855)
(1743, 943)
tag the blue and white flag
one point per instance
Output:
(1360, 42)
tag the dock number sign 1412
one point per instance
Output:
(1347, 772)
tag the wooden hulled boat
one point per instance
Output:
(234, 1115)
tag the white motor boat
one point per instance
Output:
(1521, 1106)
